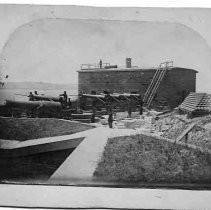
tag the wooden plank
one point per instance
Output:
(186, 131)
(148, 111)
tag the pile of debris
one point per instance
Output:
(200, 135)
(172, 127)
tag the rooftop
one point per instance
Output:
(105, 67)
(133, 68)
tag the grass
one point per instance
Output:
(25, 129)
(146, 159)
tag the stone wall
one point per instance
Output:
(176, 85)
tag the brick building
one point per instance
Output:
(175, 86)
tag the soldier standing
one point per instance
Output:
(65, 96)
(82, 101)
(69, 103)
(31, 96)
(93, 117)
(129, 110)
(108, 102)
(110, 120)
(93, 111)
(140, 105)
(61, 100)
(64, 99)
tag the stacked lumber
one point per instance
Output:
(196, 102)
(205, 103)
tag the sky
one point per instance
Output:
(49, 43)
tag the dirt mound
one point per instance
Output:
(25, 129)
(173, 125)
(143, 158)
(200, 135)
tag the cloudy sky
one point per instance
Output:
(48, 43)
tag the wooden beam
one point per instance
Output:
(186, 131)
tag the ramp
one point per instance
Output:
(83, 161)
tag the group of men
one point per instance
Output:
(109, 109)
(63, 99)
(130, 105)
(31, 95)
(66, 104)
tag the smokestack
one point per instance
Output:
(128, 62)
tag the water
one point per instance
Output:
(11, 94)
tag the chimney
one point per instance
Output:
(128, 62)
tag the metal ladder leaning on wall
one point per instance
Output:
(156, 80)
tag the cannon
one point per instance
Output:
(31, 104)
(36, 97)
(45, 98)
(33, 108)
(42, 106)
(118, 101)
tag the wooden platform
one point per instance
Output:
(196, 102)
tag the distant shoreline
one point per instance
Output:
(38, 86)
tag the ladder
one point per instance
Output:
(156, 80)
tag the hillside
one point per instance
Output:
(25, 129)
(146, 159)
(38, 86)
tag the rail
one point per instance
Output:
(166, 64)
(94, 66)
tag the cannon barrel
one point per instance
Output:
(116, 95)
(31, 104)
(125, 94)
(111, 67)
(93, 96)
(45, 98)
